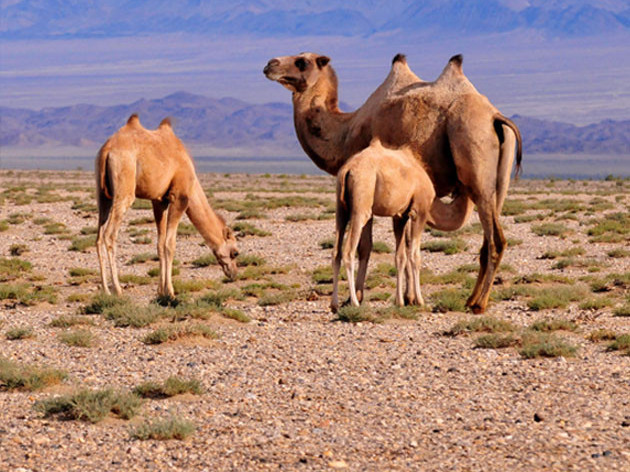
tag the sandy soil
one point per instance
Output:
(297, 389)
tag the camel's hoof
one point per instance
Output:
(334, 308)
(478, 309)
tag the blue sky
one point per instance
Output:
(69, 60)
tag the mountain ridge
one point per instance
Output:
(24, 19)
(228, 123)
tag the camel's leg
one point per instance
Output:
(414, 241)
(104, 212)
(494, 245)
(364, 251)
(357, 222)
(175, 211)
(401, 259)
(110, 234)
(341, 223)
(410, 296)
(159, 212)
(479, 159)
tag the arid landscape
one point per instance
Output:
(258, 374)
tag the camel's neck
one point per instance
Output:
(321, 127)
(201, 214)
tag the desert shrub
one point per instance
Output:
(135, 316)
(553, 325)
(91, 406)
(496, 341)
(169, 388)
(28, 294)
(245, 260)
(78, 338)
(596, 303)
(186, 229)
(234, 314)
(18, 249)
(556, 297)
(618, 253)
(102, 301)
(450, 299)
(356, 314)
(65, 321)
(571, 252)
(13, 268)
(172, 428)
(481, 324)
(448, 247)
(82, 244)
(327, 243)
(611, 228)
(173, 333)
(205, 261)
(541, 344)
(16, 376)
(381, 247)
(602, 335)
(277, 298)
(141, 205)
(550, 229)
(143, 257)
(621, 343)
(23, 332)
(248, 229)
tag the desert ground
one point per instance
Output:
(258, 374)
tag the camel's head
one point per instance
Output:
(297, 73)
(227, 252)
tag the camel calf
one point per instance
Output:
(382, 182)
(154, 165)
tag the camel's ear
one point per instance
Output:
(322, 61)
(228, 233)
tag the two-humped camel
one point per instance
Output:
(464, 143)
(154, 165)
(382, 182)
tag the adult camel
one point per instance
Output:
(465, 144)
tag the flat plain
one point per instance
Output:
(258, 374)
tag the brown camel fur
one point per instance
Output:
(154, 165)
(382, 182)
(464, 143)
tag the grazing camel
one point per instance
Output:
(154, 164)
(464, 143)
(382, 182)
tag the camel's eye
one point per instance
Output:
(301, 64)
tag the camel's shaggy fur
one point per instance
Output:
(154, 164)
(382, 182)
(464, 143)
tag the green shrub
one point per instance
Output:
(172, 428)
(91, 406)
(169, 388)
(481, 324)
(16, 376)
(553, 325)
(25, 332)
(550, 229)
(496, 341)
(78, 338)
(541, 344)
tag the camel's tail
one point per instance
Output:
(506, 156)
(342, 178)
(101, 170)
(499, 120)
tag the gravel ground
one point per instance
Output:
(296, 389)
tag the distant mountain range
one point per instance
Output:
(27, 19)
(227, 123)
